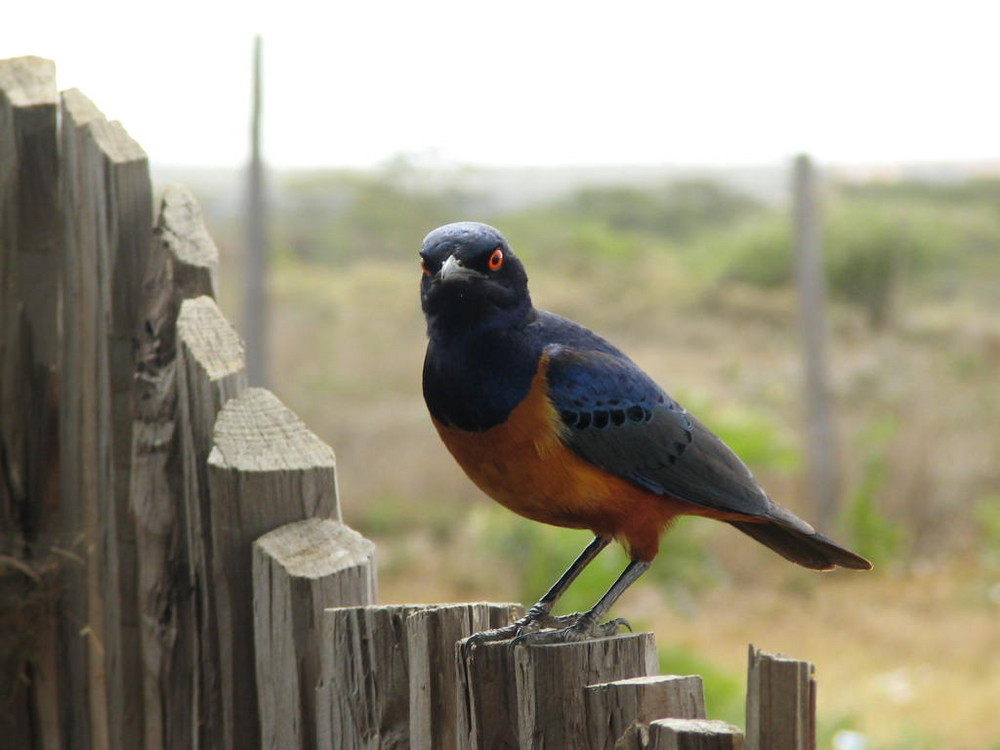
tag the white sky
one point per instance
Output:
(536, 82)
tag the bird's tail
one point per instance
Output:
(803, 545)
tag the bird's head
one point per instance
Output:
(472, 280)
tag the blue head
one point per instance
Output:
(472, 281)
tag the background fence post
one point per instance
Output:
(781, 703)
(821, 438)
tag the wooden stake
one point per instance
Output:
(209, 372)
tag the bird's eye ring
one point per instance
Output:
(424, 268)
(496, 260)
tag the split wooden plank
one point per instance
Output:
(363, 701)
(432, 636)
(299, 570)
(611, 707)
(266, 469)
(693, 734)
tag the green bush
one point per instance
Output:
(874, 535)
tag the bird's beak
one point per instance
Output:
(453, 270)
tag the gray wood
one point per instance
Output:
(299, 570)
(432, 634)
(551, 681)
(363, 701)
(821, 438)
(781, 703)
(612, 707)
(210, 371)
(693, 734)
(487, 696)
(265, 469)
(636, 737)
(181, 229)
(29, 349)
(182, 264)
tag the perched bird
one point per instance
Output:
(558, 425)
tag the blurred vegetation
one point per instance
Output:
(694, 280)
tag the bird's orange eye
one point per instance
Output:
(496, 260)
(424, 268)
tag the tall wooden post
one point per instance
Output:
(255, 307)
(821, 435)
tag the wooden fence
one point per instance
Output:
(174, 572)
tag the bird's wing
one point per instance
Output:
(617, 418)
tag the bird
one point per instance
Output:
(560, 426)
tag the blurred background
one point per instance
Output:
(639, 159)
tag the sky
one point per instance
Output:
(532, 83)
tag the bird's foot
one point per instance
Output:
(582, 628)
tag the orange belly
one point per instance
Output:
(525, 466)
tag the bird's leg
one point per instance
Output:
(588, 625)
(538, 615)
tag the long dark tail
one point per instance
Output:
(811, 550)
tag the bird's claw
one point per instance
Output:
(581, 629)
(544, 629)
(532, 622)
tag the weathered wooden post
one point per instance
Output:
(781, 703)
(266, 469)
(299, 570)
(534, 696)
(431, 637)
(383, 666)
(210, 371)
(106, 198)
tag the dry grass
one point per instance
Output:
(909, 655)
